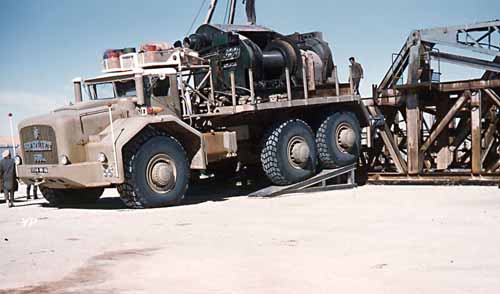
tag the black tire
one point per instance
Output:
(331, 153)
(275, 156)
(59, 197)
(139, 190)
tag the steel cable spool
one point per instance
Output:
(280, 54)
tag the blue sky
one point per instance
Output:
(46, 43)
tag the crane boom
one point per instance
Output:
(250, 10)
(232, 12)
(211, 9)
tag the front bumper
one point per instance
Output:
(72, 176)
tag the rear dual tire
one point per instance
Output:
(291, 152)
(339, 140)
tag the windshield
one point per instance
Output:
(111, 90)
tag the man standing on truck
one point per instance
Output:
(356, 75)
(8, 177)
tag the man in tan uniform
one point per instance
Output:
(356, 75)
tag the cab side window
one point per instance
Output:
(161, 88)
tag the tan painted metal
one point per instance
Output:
(220, 145)
(83, 131)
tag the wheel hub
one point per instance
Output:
(346, 137)
(299, 152)
(161, 173)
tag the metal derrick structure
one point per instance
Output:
(438, 132)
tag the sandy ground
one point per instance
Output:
(373, 239)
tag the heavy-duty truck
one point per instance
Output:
(161, 115)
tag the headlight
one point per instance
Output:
(18, 160)
(64, 160)
(102, 158)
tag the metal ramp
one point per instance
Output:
(320, 182)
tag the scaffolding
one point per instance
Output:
(434, 131)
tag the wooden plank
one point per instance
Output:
(476, 133)
(445, 121)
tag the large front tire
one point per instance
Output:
(156, 174)
(289, 153)
(57, 197)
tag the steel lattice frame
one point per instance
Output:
(439, 132)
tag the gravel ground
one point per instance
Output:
(373, 239)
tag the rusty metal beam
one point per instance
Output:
(476, 133)
(493, 96)
(456, 86)
(445, 121)
(436, 178)
(473, 150)
(495, 167)
(413, 113)
(389, 142)
(454, 36)
(398, 65)
(489, 139)
(468, 85)
(491, 142)
(444, 155)
(465, 61)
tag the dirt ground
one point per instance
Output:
(373, 239)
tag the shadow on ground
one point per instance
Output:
(214, 190)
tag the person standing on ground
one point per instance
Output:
(8, 177)
(28, 192)
(356, 75)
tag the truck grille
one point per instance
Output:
(39, 145)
